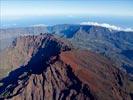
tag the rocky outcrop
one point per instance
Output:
(114, 44)
(57, 71)
(24, 48)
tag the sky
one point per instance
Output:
(25, 8)
(23, 13)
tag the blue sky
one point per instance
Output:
(26, 8)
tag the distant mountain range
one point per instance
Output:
(47, 66)
(116, 45)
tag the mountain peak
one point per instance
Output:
(56, 70)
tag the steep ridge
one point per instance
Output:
(114, 44)
(21, 51)
(58, 71)
(107, 42)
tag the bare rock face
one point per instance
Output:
(24, 48)
(57, 71)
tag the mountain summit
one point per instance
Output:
(117, 45)
(55, 70)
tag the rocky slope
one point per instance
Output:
(20, 52)
(116, 45)
(55, 70)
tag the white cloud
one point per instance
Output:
(37, 25)
(113, 27)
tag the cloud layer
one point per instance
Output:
(113, 27)
(38, 25)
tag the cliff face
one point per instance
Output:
(114, 44)
(56, 71)
(24, 48)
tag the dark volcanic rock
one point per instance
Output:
(57, 71)
(116, 45)
(24, 48)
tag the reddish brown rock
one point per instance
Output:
(56, 71)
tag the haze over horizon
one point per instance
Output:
(28, 13)
(66, 49)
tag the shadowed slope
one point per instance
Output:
(56, 71)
